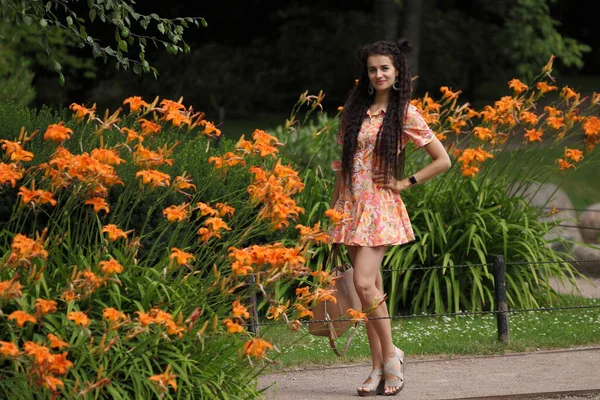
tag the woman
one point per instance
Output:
(376, 123)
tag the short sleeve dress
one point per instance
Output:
(377, 215)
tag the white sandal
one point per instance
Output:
(398, 373)
(376, 386)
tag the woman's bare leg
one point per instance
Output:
(374, 342)
(367, 262)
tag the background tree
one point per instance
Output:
(133, 31)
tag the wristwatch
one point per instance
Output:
(412, 180)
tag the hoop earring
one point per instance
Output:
(370, 89)
(395, 84)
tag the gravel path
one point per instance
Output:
(463, 377)
(502, 376)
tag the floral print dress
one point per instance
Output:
(377, 215)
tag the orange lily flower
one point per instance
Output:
(545, 88)
(78, 318)
(240, 268)
(529, 118)
(21, 317)
(58, 132)
(518, 86)
(15, 151)
(36, 196)
(224, 209)
(564, 165)
(113, 315)
(573, 154)
(40, 353)
(60, 365)
(99, 204)
(107, 156)
(304, 312)
(181, 256)
(135, 103)
(165, 379)
(183, 182)
(177, 118)
(44, 307)
(10, 173)
(206, 209)
(9, 349)
(239, 310)
(111, 266)
(81, 111)
(210, 128)
(10, 288)
(170, 105)
(132, 135)
(144, 318)
(357, 316)
(533, 135)
(232, 327)
(204, 234)
(257, 348)
(154, 178)
(24, 249)
(69, 296)
(114, 233)
(176, 213)
(149, 127)
(55, 342)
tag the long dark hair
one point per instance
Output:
(390, 136)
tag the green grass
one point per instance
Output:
(447, 336)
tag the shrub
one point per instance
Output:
(128, 245)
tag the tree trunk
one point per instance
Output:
(413, 15)
(387, 15)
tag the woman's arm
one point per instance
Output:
(440, 163)
(336, 188)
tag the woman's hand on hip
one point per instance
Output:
(394, 184)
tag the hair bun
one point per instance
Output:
(404, 45)
(362, 54)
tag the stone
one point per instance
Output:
(546, 196)
(591, 260)
(590, 218)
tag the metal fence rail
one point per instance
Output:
(502, 311)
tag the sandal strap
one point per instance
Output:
(390, 368)
(376, 373)
(376, 376)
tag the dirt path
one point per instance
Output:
(588, 288)
(514, 376)
(464, 377)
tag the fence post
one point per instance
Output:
(253, 320)
(500, 295)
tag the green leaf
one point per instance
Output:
(69, 21)
(92, 14)
(161, 28)
(123, 45)
(43, 23)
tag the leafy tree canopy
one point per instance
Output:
(133, 31)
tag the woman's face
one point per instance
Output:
(382, 72)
